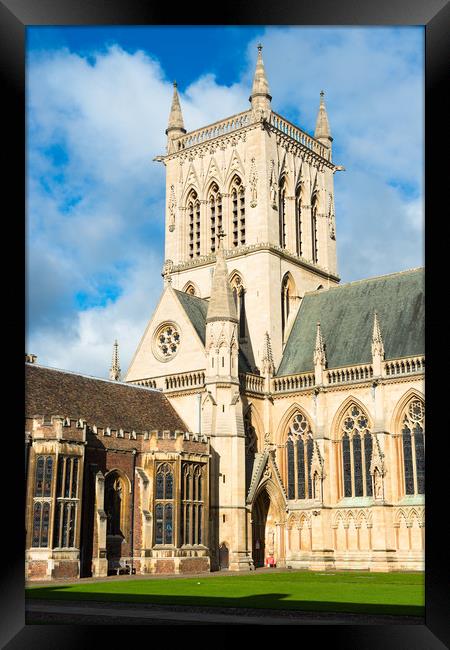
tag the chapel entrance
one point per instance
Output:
(260, 512)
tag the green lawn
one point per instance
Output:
(361, 592)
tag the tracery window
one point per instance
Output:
(356, 451)
(164, 495)
(299, 452)
(238, 211)
(42, 501)
(66, 502)
(193, 207)
(298, 220)
(192, 506)
(314, 207)
(239, 300)
(215, 214)
(413, 447)
(282, 212)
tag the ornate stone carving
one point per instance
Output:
(273, 186)
(172, 208)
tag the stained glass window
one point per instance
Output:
(413, 447)
(38, 488)
(357, 465)
(48, 476)
(356, 453)
(66, 505)
(291, 473)
(36, 524)
(347, 466)
(159, 521)
(299, 478)
(368, 458)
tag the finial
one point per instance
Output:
(260, 96)
(268, 366)
(114, 371)
(175, 85)
(377, 340)
(319, 350)
(259, 47)
(322, 131)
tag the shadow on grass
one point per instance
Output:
(272, 601)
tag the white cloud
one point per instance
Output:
(96, 199)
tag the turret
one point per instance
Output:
(260, 98)
(323, 132)
(175, 127)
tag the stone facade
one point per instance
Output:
(303, 399)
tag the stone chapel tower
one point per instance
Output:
(269, 186)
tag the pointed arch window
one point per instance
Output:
(238, 212)
(314, 247)
(164, 504)
(191, 529)
(282, 212)
(298, 220)
(299, 453)
(413, 447)
(356, 453)
(215, 215)
(193, 208)
(287, 299)
(238, 290)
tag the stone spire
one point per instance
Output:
(377, 347)
(320, 360)
(322, 132)
(260, 97)
(221, 303)
(268, 366)
(114, 371)
(175, 127)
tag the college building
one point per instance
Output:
(270, 414)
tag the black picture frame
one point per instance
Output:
(15, 16)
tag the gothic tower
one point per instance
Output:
(269, 185)
(223, 422)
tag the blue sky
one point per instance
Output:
(97, 107)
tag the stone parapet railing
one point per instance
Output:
(147, 383)
(215, 130)
(346, 375)
(404, 366)
(293, 382)
(252, 383)
(184, 380)
(297, 134)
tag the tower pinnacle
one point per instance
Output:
(175, 127)
(114, 371)
(221, 304)
(323, 132)
(260, 97)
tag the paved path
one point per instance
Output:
(101, 613)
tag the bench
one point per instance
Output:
(120, 567)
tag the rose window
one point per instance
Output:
(167, 341)
(416, 410)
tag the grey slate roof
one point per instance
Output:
(346, 317)
(196, 310)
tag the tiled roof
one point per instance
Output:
(98, 401)
(346, 316)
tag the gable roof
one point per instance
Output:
(49, 391)
(346, 315)
(196, 310)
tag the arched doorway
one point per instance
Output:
(224, 556)
(268, 523)
(260, 511)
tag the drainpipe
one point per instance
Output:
(132, 510)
